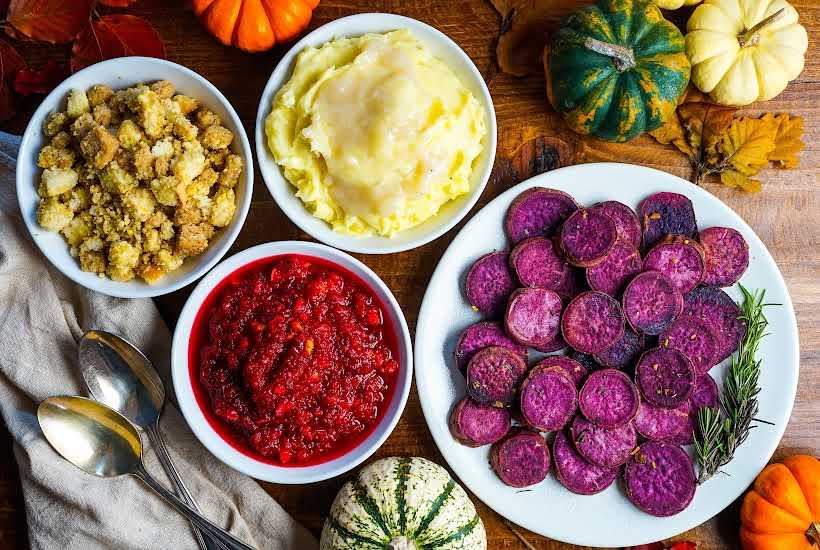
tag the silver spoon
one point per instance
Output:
(119, 375)
(101, 441)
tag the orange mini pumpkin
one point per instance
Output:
(254, 25)
(782, 510)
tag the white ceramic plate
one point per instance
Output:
(452, 212)
(121, 73)
(245, 463)
(608, 518)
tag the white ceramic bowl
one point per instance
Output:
(452, 212)
(202, 428)
(123, 73)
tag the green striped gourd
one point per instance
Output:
(616, 69)
(403, 504)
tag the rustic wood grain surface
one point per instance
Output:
(532, 139)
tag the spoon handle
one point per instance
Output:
(158, 442)
(214, 531)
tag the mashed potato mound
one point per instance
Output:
(375, 133)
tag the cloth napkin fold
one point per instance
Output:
(42, 316)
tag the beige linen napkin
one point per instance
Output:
(41, 317)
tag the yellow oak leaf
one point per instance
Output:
(731, 178)
(747, 144)
(787, 142)
(672, 132)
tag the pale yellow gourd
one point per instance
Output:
(745, 50)
(675, 4)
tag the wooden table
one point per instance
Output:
(532, 139)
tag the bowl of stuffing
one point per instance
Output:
(134, 177)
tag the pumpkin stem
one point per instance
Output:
(813, 533)
(750, 37)
(622, 57)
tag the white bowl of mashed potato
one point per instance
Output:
(376, 133)
(118, 249)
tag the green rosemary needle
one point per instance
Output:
(720, 431)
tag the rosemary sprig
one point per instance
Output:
(721, 431)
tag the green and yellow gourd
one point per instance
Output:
(616, 69)
(403, 504)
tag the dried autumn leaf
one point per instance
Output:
(525, 28)
(672, 132)
(704, 124)
(787, 142)
(41, 81)
(731, 178)
(10, 64)
(115, 36)
(117, 3)
(54, 21)
(746, 145)
(696, 126)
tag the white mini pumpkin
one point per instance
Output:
(403, 503)
(745, 50)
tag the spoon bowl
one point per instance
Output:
(119, 375)
(94, 438)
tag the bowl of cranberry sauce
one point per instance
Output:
(292, 362)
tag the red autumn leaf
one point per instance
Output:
(683, 545)
(10, 64)
(117, 3)
(115, 36)
(54, 21)
(42, 81)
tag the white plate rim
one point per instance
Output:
(585, 536)
(283, 192)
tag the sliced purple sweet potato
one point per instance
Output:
(666, 214)
(604, 447)
(705, 394)
(556, 344)
(727, 256)
(537, 263)
(613, 273)
(665, 377)
(490, 282)
(537, 212)
(521, 459)
(695, 338)
(660, 423)
(474, 424)
(573, 368)
(627, 224)
(548, 398)
(533, 316)
(494, 375)
(660, 479)
(608, 398)
(716, 307)
(481, 335)
(623, 353)
(680, 258)
(586, 237)
(651, 302)
(592, 322)
(577, 474)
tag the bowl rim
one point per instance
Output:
(134, 288)
(224, 451)
(278, 185)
